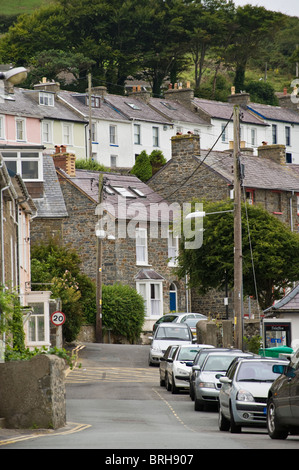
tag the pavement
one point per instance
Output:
(10, 436)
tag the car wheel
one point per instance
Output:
(223, 422)
(162, 381)
(198, 405)
(234, 428)
(174, 389)
(274, 430)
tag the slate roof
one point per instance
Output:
(23, 103)
(88, 182)
(148, 274)
(78, 102)
(133, 108)
(260, 173)
(175, 111)
(224, 110)
(287, 303)
(274, 113)
(52, 203)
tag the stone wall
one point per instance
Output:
(32, 393)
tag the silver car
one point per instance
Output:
(164, 362)
(168, 334)
(178, 370)
(207, 385)
(244, 392)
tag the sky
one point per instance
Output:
(288, 7)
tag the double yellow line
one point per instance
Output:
(77, 427)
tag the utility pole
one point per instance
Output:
(238, 261)
(89, 118)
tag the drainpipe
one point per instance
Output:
(2, 237)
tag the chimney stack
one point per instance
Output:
(276, 153)
(241, 99)
(182, 95)
(64, 160)
(184, 147)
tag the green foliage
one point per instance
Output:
(11, 318)
(261, 92)
(275, 253)
(83, 164)
(252, 343)
(142, 168)
(12, 354)
(123, 311)
(59, 267)
(157, 160)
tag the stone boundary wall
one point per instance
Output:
(32, 393)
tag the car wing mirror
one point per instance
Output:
(223, 379)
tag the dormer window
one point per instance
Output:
(95, 101)
(46, 99)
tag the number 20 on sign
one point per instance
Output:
(58, 318)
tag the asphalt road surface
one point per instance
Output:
(115, 404)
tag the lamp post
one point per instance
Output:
(15, 75)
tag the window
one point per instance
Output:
(2, 135)
(47, 131)
(67, 134)
(112, 135)
(137, 135)
(36, 331)
(93, 132)
(277, 203)
(152, 295)
(288, 158)
(123, 191)
(95, 101)
(141, 246)
(253, 137)
(172, 249)
(288, 135)
(250, 197)
(27, 164)
(274, 134)
(46, 99)
(134, 106)
(113, 161)
(155, 136)
(224, 133)
(20, 130)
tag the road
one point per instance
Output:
(114, 402)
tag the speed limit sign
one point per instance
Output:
(58, 318)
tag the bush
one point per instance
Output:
(142, 168)
(82, 164)
(261, 92)
(123, 311)
(157, 160)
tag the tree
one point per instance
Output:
(142, 168)
(252, 27)
(275, 254)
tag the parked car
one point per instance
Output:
(283, 400)
(168, 334)
(178, 371)
(197, 364)
(207, 385)
(244, 391)
(164, 362)
(178, 317)
(191, 319)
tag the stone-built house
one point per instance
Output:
(140, 248)
(193, 172)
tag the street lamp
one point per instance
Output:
(15, 75)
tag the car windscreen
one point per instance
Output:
(187, 354)
(218, 363)
(256, 372)
(172, 333)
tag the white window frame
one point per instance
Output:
(153, 306)
(113, 161)
(67, 133)
(48, 133)
(113, 135)
(2, 128)
(18, 157)
(137, 134)
(173, 249)
(224, 137)
(155, 136)
(46, 98)
(141, 247)
(288, 136)
(20, 131)
(253, 136)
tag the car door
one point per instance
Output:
(226, 388)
